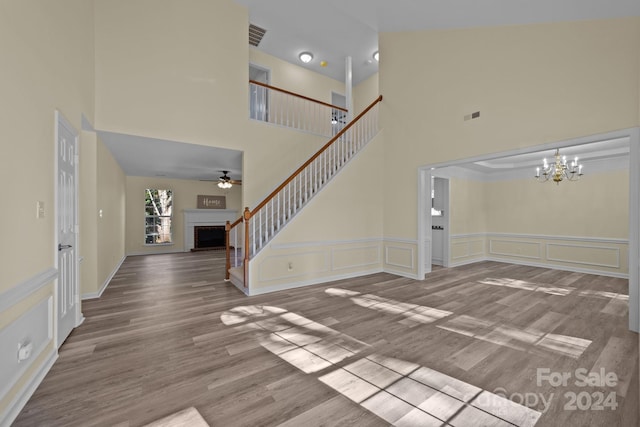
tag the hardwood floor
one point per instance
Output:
(169, 334)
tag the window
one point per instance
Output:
(158, 208)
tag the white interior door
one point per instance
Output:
(67, 304)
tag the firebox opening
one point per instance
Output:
(208, 237)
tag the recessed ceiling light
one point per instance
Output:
(305, 57)
(376, 55)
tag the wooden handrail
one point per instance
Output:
(234, 223)
(315, 156)
(335, 107)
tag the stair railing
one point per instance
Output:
(284, 108)
(263, 222)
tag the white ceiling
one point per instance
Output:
(140, 156)
(602, 150)
(601, 156)
(335, 29)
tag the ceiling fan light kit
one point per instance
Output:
(225, 182)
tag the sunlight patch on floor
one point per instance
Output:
(400, 392)
(414, 314)
(515, 338)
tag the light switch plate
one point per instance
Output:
(39, 209)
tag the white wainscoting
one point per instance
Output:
(22, 290)
(515, 248)
(467, 249)
(584, 254)
(400, 257)
(593, 255)
(341, 259)
(32, 329)
(292, 265)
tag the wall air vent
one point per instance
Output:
(255, 34)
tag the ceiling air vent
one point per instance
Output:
(255, 34)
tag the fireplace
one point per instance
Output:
(208, 237)
(204, 218)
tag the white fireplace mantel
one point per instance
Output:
(198, 217)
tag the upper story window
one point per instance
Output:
(158, 212)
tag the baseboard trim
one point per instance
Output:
(542, 265)
(465, 262)
(172, 251)
(21, 399)
(98, 294)
(401, 273)
(560, 267)
(311, 282)
(23, 289)
(610, 240)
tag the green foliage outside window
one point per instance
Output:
(158, 206)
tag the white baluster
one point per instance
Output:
(275, 212)
(253, 237)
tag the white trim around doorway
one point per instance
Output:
(633, 134)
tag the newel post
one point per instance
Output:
(247, 218)
(227, 229)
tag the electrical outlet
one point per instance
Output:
(24, 351)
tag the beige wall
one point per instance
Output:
(111, 190)
(575, 225)
(297, 79)
(47, 64)
(596, 206)
(468, 211)
(47, 51)
(187, 80)
(365, 93)
(102, 237)
(88, 209)
(339, 234)
(532, 84)
(185, 195)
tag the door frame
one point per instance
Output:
(60, 120)
(633, 134)
(267, 100)
(447, 218)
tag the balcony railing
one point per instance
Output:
(283, 108)
(258, 226)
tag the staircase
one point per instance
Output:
(257, 227)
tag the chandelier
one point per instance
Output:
(559, 170)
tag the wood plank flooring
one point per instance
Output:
(169, 334)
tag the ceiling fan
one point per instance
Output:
(225, 180)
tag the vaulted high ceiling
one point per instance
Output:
(335, 29)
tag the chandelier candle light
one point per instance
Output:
(559, 170)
